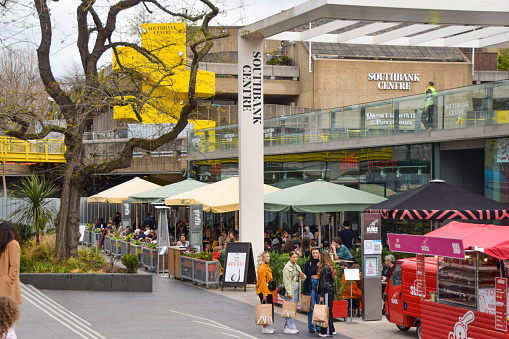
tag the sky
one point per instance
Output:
(64, 52)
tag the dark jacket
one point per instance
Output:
(306, 289)
(326, 282)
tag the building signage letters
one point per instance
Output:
(376, 119)
(426, 245)
(394, 81)
(456, 108)
(252, 88)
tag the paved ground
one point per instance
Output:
(174, 309)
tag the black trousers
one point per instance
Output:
(269, 301)
(329, 297)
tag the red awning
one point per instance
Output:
(494, 240)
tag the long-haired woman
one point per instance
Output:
(326, 288)
(311, 285)
(293, 279)
(262, 289)
(10, 241)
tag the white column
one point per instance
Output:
(250, 104)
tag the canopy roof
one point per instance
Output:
(319, 196)
(490, 239)
(451, 23)
(159, 194)
(219, 197)
(440, 201)
(116, 194)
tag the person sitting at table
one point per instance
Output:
(276, 246)
(266, 247)
(207, 234)
(305, 250)
(339, 250)
(183, 241)
(356, 290)
(217, 253)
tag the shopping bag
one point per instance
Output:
(305, 303)
(289, 309)
(320, 315)
(263, 314)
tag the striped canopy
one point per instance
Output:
(440, 201)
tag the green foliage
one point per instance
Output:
(25, 231)
(149, 245)
(285, 61)
(37, 210)
(503, 59)
(202, 255)
(272, 60)
(41, 259)
(281, 60)
(26, 264)
(130, 261)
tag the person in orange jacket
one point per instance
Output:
(356, 287)
(262, 288)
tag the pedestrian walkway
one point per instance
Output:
(175, 309)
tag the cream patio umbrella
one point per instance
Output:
(116, 194)
(219, 197)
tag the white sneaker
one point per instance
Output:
(267, 330)
(296, 330)
(289, 331)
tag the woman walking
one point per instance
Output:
(293, 279)
(311, 285)
(326, 288)
(262, 289)
(10, 241)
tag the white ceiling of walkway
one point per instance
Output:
(431, 23)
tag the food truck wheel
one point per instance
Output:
(419, 330)
(403, 328)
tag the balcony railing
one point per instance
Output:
(471, 106)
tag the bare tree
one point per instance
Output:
(93, 95)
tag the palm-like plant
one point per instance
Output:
(36, 210)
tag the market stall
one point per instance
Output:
(465, 296)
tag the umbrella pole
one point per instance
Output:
(320, 229)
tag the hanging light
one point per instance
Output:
(397, 173)
(419, 172)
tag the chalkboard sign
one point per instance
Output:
(239, 265)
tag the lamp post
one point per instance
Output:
(330, 215)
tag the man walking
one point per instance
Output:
(428, 110)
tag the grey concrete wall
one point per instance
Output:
(89, 281)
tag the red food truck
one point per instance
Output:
(459, 291)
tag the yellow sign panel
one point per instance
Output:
(162, 73)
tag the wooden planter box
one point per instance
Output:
(340, 309)
(200, 271)
(107, 245)
(124, 248)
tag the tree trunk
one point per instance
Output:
(37, 242)
(67, 222)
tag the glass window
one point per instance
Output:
(396, 275)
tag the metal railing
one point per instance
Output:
(44, 150)
(471, 106)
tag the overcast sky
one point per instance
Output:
(63, 12)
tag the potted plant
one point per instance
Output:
(96, 236)
(200, 268)
(149, 254)
(135, 248)
(339, 304)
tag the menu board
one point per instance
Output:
(420, 280)
(501, 304)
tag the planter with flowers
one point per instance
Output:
(115, 244)
(199, 268)
(107, 243)
(135, 248)
(149, 256)
(125, 245)
(96, 236)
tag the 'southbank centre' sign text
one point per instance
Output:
(252, 88)
(394, 81)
